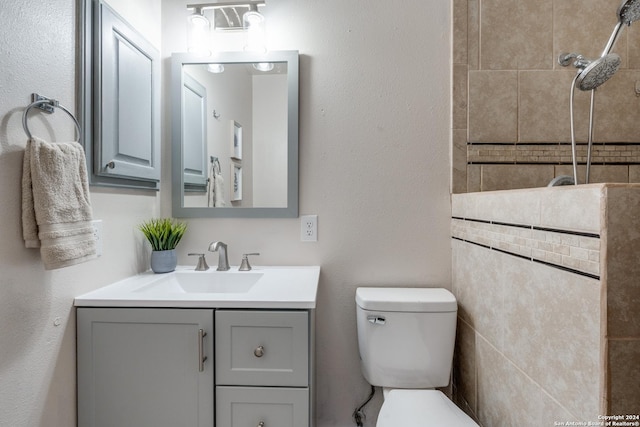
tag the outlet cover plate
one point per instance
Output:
(309, 228)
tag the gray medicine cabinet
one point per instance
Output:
(118, 99)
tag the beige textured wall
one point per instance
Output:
(37, 321)
(374, 167)
(511, 98)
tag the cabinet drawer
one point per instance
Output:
(263, 348)
(250, 406)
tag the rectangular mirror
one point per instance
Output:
(235, 135)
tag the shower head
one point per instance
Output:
(629, 11)
(598, 71)
(591, 74)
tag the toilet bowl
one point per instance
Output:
(421, 408)
(405, 339)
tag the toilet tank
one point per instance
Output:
(406, 336)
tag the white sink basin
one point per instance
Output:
(185, 282)
(262, 287)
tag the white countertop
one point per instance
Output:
(278, 287)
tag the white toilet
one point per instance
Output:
(406, 338)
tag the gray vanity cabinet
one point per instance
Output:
(154, 367)
(144, 367)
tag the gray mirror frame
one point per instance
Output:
(177, 161)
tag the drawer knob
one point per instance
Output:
(260, 424)
(259, 352)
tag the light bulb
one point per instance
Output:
(198, 34)
(253, 24)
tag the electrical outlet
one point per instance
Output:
(309, 228)
(97, 235)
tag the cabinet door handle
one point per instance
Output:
(201, 357)
(258, 352)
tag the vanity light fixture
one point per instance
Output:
(198, 33)
(236, 15)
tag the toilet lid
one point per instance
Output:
(421, 408)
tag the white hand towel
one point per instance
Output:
(56, 210)
(210, 187)
(218, 188)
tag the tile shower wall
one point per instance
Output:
(511, 99)
(622, 232)
(548, 293)
(528, 348)
(577, 252)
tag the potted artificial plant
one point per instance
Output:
(164, 234)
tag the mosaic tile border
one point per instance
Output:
(571, 251)
(609, 154)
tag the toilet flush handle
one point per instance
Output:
(376, 320)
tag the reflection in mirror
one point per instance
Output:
(235, 135)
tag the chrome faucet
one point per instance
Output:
(223, 260)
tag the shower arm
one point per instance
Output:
(564, 59)
(580, 62)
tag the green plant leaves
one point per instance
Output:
(163, 233)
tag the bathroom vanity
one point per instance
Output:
(199, 349)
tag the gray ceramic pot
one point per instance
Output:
(164, 261)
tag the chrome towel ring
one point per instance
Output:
(47, 105)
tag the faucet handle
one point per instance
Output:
(244, 265)
(202, 262)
